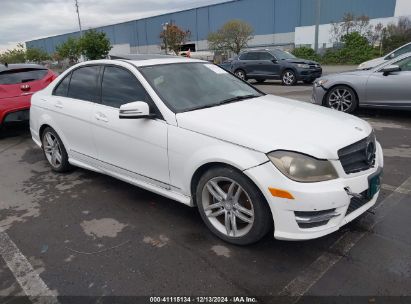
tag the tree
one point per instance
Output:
(16, 55)
(355, 24)
(173, 37)
(95, 45)
(396, 35)
(69, 50)
(36, 55)
(232, 36)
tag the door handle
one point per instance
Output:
(101, 117)
(58, 104)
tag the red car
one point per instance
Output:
(17, 83)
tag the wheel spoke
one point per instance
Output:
(237, 194)
(242, 217)
(49, 140)
(217, 213)
(234, 224)
(216, 191)
(58, 156)
(230, 191)
(227, 223)
(244, 210)
(213, 206)
(54, 158)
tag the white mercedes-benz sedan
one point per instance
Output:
(190, 131)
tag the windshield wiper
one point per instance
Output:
(225, 101)
(237, 98)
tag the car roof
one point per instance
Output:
(146, 60)
(19, 66)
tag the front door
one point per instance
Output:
(393, 89)
(131, 148)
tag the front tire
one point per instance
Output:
(288, 78)
(342, 98)
(232, 207)
(54, 151)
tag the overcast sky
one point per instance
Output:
(23, 20)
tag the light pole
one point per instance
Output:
(317, 24)
(165, 28)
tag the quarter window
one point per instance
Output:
(120, 87)
(83, 84)
(62, 87)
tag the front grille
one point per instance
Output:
(359, 156)
(314, 66)
(356, 203)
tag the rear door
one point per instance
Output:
(71, 108)
(393, 89)
(249, 63)
(131, 148)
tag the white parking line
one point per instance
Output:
(28, 279)
(313, 273)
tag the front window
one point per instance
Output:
(190, 86)
(282, 55)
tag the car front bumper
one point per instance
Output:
(318, 94)
(327, 200)
(309, 74)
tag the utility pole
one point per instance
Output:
(78, 16)
(317, 24)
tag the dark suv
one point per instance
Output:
(273, 64)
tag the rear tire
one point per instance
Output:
(54, 151)
(242, 217)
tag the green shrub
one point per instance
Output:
(306, 53)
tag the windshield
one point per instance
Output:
(190, 86)
(282, 55)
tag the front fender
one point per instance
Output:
(188, 151)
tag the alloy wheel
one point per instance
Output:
(52, 149)
(340, 99)
(228, 207)
(288, 78)
(240, 74)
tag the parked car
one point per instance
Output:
(265, 64)
(385, 86)
(394, 54)
(190, 131)
(17, 83)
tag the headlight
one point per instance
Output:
(303, 65)
(321, 82)
(301, 167)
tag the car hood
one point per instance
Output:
(348, 73)
(299, 60)
(271, 123)
(371, 63)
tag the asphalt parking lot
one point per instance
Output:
(85, 234)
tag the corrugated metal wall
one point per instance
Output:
(266, 16)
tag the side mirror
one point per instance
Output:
(274, 61)
(135, 110)
(390, 69)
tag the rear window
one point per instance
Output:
(21, 75)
